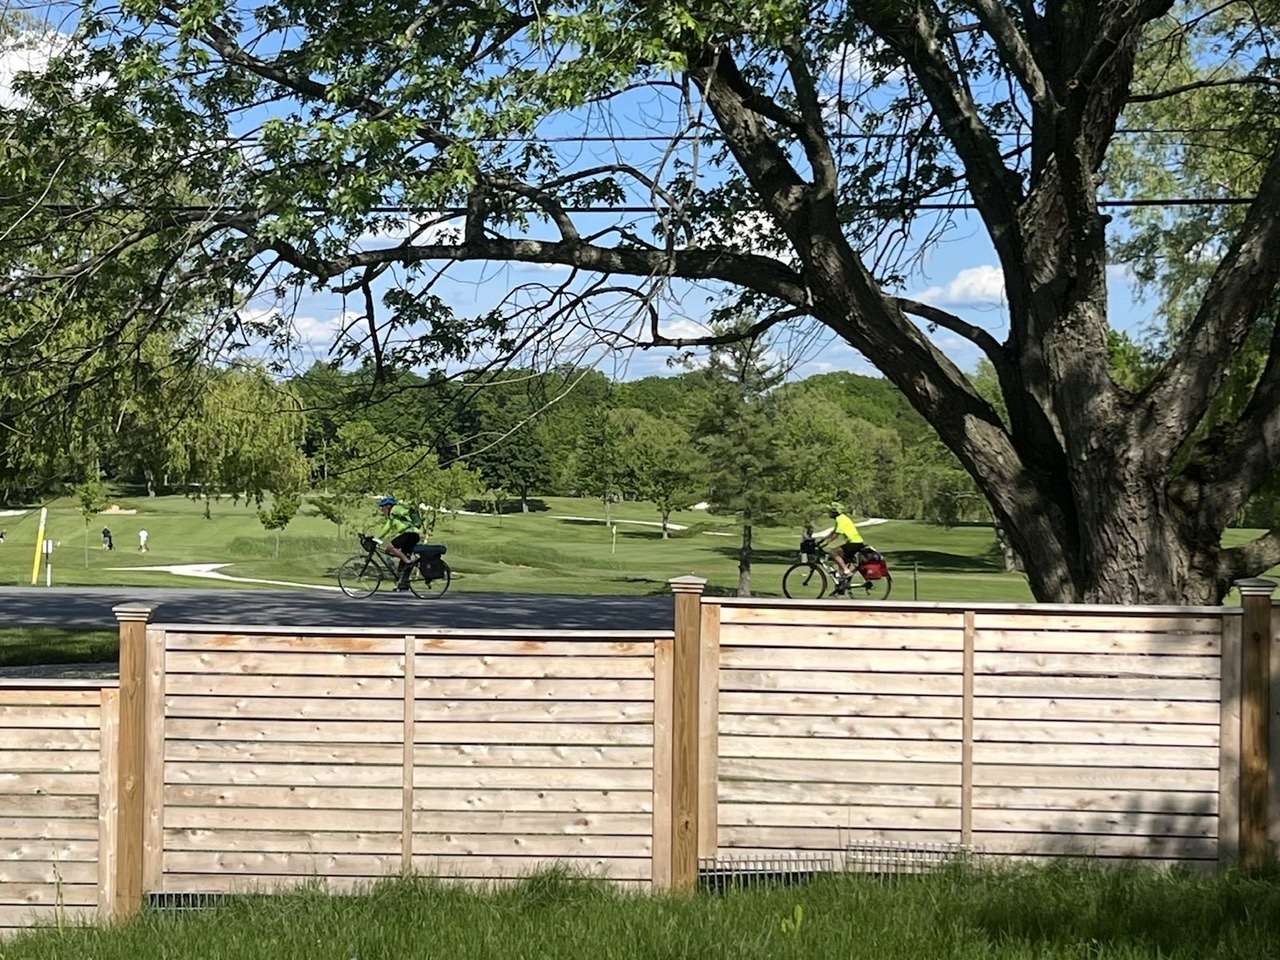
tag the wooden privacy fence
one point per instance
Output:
(256, 758)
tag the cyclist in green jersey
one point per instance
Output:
(846, 539)
(399, 534)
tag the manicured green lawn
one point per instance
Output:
(25, 646)
(1056, 913)
(540, 552)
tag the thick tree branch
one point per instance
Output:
(996, 190)
(1018, 54)
(813, 129)
(1240, 290)
(1252, 80)
(949, 321)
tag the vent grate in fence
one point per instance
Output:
(185, 901)
(903, 857)
(730, 872)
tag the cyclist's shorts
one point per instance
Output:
(406, 541)
(849, 550)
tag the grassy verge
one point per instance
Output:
(1057, 913)
(25, 646)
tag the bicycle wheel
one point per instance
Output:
(871, 589)
(360, 576)
(426, 589)
(804, 581)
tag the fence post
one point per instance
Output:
(686, 668)
(1255, 718)
(131, 758)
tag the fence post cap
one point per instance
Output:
(128, 612)
(1256, 587)
(687, 584)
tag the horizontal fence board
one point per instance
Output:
(524, 824)
(52, 784)
(526, 688)
(282, 731)
(49, 739)
(817, 681)
(281, 841)
(282, 708)
(258, 863)
(367, 820)
(49, 851)
(1069, 731)
(358, 755)
(19, 715)
(45, 871)
(529, 845)
(573, 667)
(282, 774)
(861, 636)
(1096, 664)
(1096, 688)
(882, 728)
(535, 799)
(821, 614)
(294, 642)
(868, 704)
(44, 806)
(43, 828)
(1107, 801)
(1098, 755)
(535, 711)
(1088, 845)
(301, 662)
(840, 816)
(48, 894)
(435, 731)
(825, 771)
(1136, 620)
(48, 761)
(45, 696)
(840, 750)
(1093, 777)
(566, 756)
(1132, 711)
(866, 794)
(173, 882)
(527, 778)
(1038, 640)
(282, 685)
(588, 645)
(799, 839)
(1130, 824)
(837, 660)
(355, 801)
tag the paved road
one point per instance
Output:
(90, 607)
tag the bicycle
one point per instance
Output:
(807, 579)
(362, 575)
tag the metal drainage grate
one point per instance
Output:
(902, 857)
(732, 872)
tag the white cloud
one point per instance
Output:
(854, 64)
(25, 53)
(682, 328)
(972, 285)
(750, 232)
(426, 229)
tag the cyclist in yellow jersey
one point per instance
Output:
(846, 539)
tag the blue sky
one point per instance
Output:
(958, 273)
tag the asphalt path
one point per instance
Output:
(90, 607)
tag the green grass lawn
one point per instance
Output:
(1055, 913)
(25, 646)
(538, 552)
